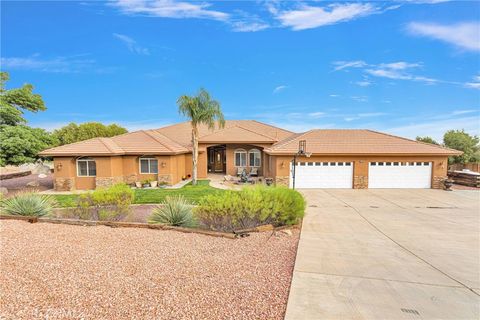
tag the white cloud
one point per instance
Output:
(340, 65)
(316, 115)
(458, 112)
(474, 84)
(360, 98)
(465, 35)
(400, 65)
(131, 44)
(307, 17)
(170, 9)
(334, 95)
(54, 65)
(364, 83)
(436, 129)
(279, 88)
(248, 26)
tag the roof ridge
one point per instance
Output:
(156, 139)
(411, 140)
(291, 138)
(102, 140)
(261, 134)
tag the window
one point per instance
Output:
(148, 165)
(333, 164)
(240, 158)
(348, 163)
(426, 163)
(325, 164)
(254, 158)
(340, 163)
(86, 167)
(310, 163)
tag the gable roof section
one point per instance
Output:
(182, 132)
(236, 134)
(356, 142)
(138, 142)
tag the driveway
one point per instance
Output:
(388, 254)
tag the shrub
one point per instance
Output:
(111, 203)
(29, 204)
(251, 207)
(174, 211)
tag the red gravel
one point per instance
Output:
(462, 187)
(61, 271)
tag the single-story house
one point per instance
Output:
(336, 158)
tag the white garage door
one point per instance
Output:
(399, 175)
(322, 175)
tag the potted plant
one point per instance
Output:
(146, 183)
(162, 184)
(153, 183)
(138, 184)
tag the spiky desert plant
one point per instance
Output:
(174, 211)
(29, 204)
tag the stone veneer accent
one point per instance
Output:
(165, 178)
(64, 184)
(107, 181)
(282, 181)
(360, 182)
(437, 182)
(131, 179)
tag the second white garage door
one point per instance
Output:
(323, 175)
(399, 175)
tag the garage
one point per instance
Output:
(322, 175)
(400, 175)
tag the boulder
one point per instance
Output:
(33, 184)
(42, 176)
(40, 168)
(3, 191)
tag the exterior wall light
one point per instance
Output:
(163, 164)
(59, 166)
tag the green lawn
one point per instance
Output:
(192, 193)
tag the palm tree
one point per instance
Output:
(200, 109)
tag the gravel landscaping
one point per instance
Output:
(61, 271)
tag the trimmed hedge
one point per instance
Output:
(250, 207)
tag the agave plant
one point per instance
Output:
(174, 211)
(28, 204)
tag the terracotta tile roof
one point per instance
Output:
(236, 134)
(182, 132)
(344, 142)
(138, 142)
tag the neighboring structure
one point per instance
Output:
(339, 158)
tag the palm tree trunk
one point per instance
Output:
(194, 154)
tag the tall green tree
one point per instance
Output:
(462, 141)
(14, 102)
(427, 140)
(74, 132)
(200, 109)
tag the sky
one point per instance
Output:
(404, 67)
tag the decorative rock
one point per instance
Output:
(288, 232)
(33, 184)
(42, 176)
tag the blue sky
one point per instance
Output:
(407, 67)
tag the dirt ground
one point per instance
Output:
(60, 271)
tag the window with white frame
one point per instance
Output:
(86, 167)
(240, 158)
(254, 158)
(148, 165)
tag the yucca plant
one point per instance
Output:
(174, 211)
(28, 204)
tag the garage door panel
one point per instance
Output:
(399, 175)
(323, 175)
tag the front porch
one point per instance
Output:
(227, 182)
(233, 159)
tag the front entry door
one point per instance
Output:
(218, 162)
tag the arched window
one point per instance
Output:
(86, 167)
(254, 158)
(148, 165)
(240, 158)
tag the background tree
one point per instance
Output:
(200, 109)
(74, 133)
(427, 139)
(14, 101)
(18, 142)
(462, 141)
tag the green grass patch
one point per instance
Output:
(142, 196)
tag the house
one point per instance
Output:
(336, 158)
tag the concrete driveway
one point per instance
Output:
(388, 254)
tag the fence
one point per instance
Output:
(472, 166)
